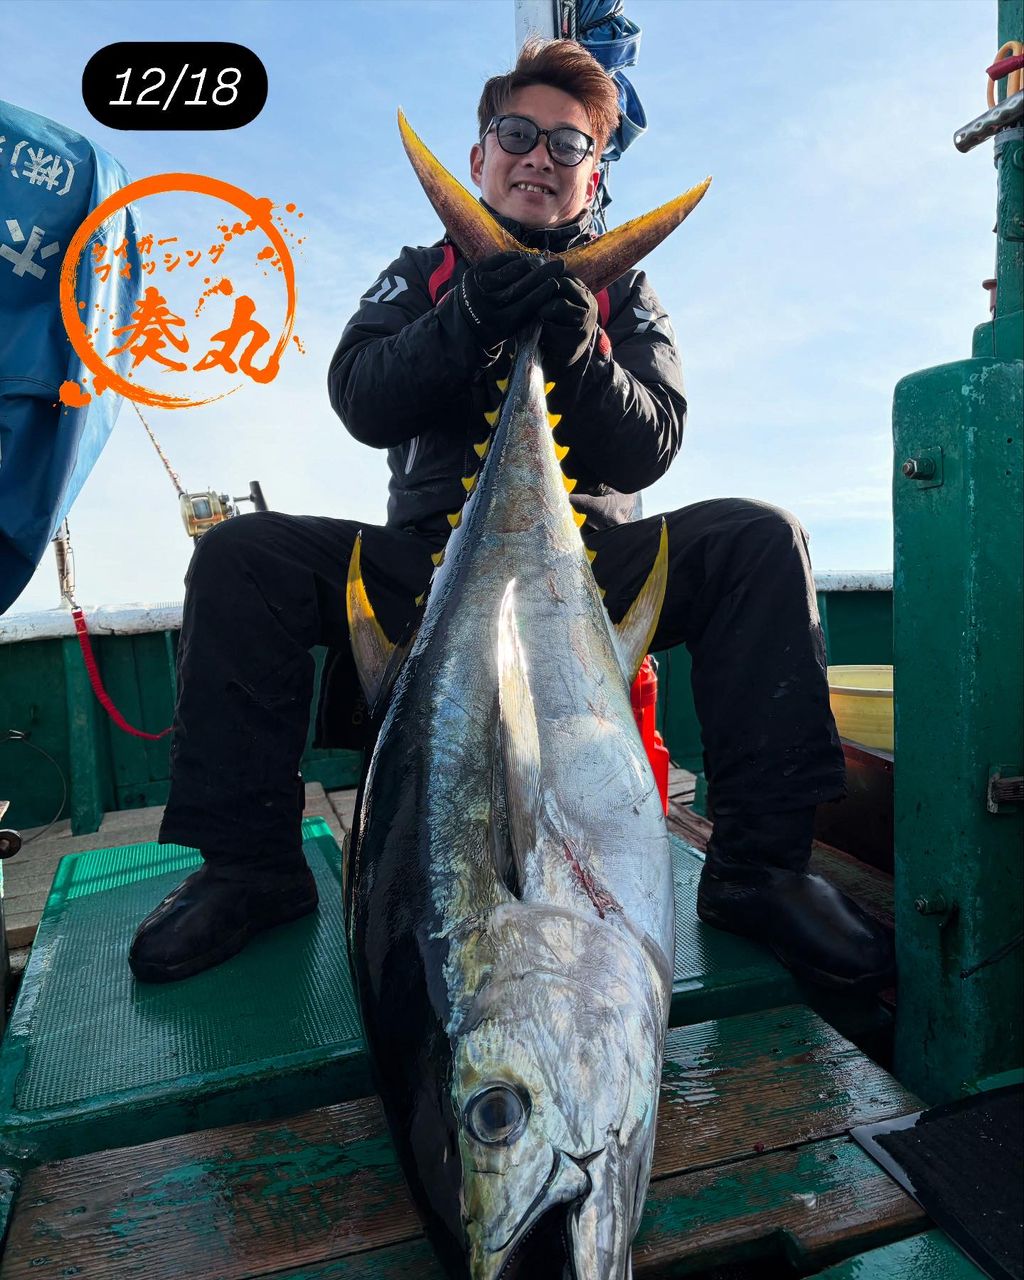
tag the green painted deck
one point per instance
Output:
(752, 1164)
(929, 1256)
(94, 1060)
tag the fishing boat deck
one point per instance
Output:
(223, 1127)
(753, 1169)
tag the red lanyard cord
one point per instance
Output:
(97, 683)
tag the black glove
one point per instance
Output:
(504, 292)
(569, 323)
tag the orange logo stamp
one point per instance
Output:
(154, 335)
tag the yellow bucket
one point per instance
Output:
(861, 700)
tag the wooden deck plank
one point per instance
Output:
(253, 1200)
(836, 1202)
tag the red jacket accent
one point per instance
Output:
(443, 274)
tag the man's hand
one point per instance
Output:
(504, 292)
(569, 323)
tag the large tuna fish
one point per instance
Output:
(509, 885)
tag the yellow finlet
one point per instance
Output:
(580, 518)
(420, 599)
(481, 449)
(569, 484)
(437, 558)
(455, 519)
(554, 419)
(468, 482)
(591, 555)
(561, 450)
(501, 384)
(601, 592)
(492, 417)
(548, 388)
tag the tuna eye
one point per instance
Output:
(497, 1114)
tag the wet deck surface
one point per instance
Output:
(752, 1162)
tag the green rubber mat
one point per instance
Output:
(718, 975)
(94, 1060)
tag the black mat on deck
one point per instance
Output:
(963, 1163)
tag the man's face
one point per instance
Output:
(532, 188)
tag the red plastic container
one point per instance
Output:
(644, 697)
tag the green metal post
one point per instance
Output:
(959, 549)
(88, 793)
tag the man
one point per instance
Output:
(417, 368)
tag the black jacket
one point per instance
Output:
(409, 376)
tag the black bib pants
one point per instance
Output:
(263, 589)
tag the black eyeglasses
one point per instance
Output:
(518, 136)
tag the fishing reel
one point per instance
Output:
(201, 511)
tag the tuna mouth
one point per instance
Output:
(544, 1252)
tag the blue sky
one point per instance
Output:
(841, 246)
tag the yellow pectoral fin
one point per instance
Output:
(636, 630)
(371, 648)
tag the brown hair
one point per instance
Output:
(564, 65)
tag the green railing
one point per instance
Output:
(69, 741)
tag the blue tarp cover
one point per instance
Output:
(50, 179)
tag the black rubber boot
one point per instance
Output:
(211, 916)
(755, 882)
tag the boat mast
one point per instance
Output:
(539, 17)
